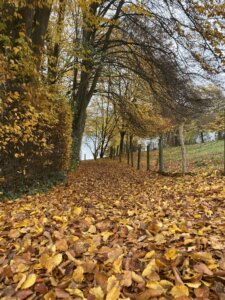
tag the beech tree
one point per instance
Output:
(114, 30)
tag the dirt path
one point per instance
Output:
(111, 232)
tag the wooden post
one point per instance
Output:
(183, 148)
(161, 162)
(128, 155)
(114, 152)
(132, 156)
(111, 153)
(85, 157)
(148, 157)
(117, 150)
(139, 157)
(120, 155)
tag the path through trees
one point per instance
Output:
(111, 232)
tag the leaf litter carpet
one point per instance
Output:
(111, 232)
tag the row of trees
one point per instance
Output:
(141, 57)
(109, 126)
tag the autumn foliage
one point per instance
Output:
(35, 129)
(111, 232)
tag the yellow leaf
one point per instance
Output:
(137, 278)
(127, 279)
(16, 50)
(112, 282)
(149, 254)
(117, 264)
(60, 219)
(97, 292)
(149, 268)
(113, 294)
(49, 262)
(57, 259)
(22, 280)
(166, 284)
(30, 281)
(131, 213)
(76, 292)
(78, 274)
(171, 254)
(117, 203)
(92, 229)
(77, 210)
(155, 286)
(194, 285)
(179, 291)
(50, 296)
(106, 235)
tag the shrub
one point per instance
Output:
(35, 135)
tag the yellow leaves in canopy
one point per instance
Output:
(30, 281)
(179, 291)
(50, 262)
(78, 274)
(16, 49)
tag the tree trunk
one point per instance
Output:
(40, 26)
(183, 149)
(202, 137)
(53, 56)
(161, 161)
(78, 130)
(131, 151)
(122, 136)
(220, 135)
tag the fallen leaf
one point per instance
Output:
(30, 281)
(179, 291)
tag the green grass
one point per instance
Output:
(200, 156)
(196, 151)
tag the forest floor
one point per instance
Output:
(111, 232)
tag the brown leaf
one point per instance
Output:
(202, 269)
(23, 294)
(148, 294)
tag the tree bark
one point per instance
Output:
(55, 50)
(122, 136)
(202, 137)
(88, 78)
(183, 149)
(131, 150)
